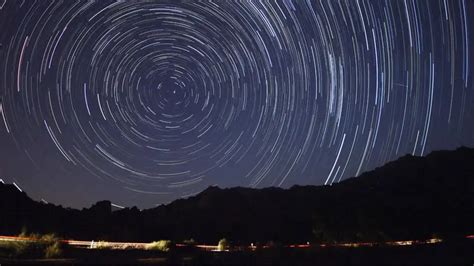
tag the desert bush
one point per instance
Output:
(53, 251)
(162, 245)
(48, 246)
(45, 246)
(47, 239)
(223, 245)
(102, 245)
(190, 242)
(19, 249)
(52, 245)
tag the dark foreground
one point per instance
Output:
(410, 198)
(460, 252)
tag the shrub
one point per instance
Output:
(162, 245)
(52, 245)
(102, 245)
(47, 239)
(53, 251)
(190, 242)
(22, 249)
(48, 246)
(223, 245)
(24, 232)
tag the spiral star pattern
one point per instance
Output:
(158, 100)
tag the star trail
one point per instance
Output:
(146, 102)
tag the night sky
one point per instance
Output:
(143, 103)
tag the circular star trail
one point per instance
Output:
(145, 102)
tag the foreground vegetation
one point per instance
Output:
(444, 253)
(34, 246)
(162, 245)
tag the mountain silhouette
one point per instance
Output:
(409, 198)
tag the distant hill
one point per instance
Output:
(412, 197)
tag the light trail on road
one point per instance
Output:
(93, 244)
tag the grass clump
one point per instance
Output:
(36, 246)
(53, 251)
(101, 245)
(20, 249)
(162, 245)
(52, 246)
(190, 242)
(223, 245)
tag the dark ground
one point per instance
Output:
(447, 253)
